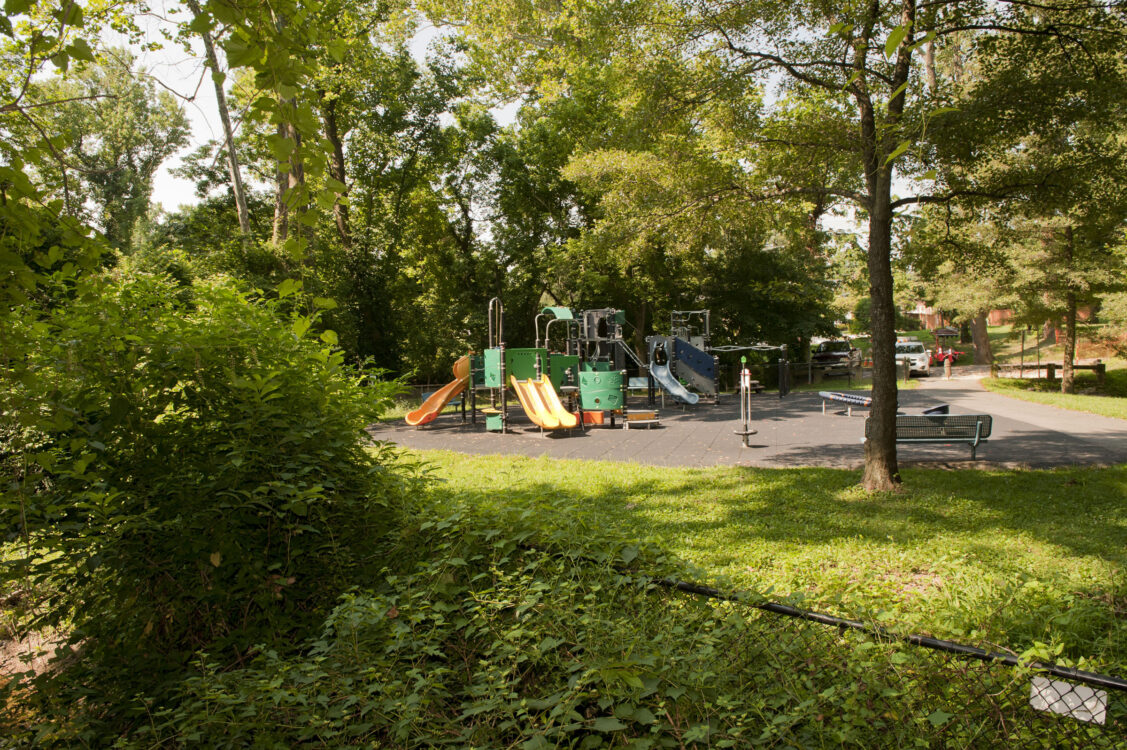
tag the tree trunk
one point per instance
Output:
(639, 331)
(1049, 332)
(881, 470)
(289, 181)
(1068, 373)
(983, 354)
(297, 168)
(281, 215)
(281, 212)
(929, 67)
(228, 132)
(337, 169)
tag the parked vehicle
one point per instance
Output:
(914, 352)
(834, 355)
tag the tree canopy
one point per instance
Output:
(184, 391)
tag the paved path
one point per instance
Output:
(794, 432)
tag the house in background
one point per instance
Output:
(999, 317)
(929, 317)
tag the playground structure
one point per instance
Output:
(542, 404)
(866, 402)
(438, 400)
(685, 356)
(583, 382)
(849, 399)
(575, 375)
(746, 430)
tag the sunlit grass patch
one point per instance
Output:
(1015, 557)
(1110, 400)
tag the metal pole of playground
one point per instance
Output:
(745, 403)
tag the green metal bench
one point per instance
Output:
(973, 429)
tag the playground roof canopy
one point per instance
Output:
(561, 313)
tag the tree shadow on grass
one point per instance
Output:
(1080, 510)
(1066, 528)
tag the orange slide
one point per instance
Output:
(542, 405)
(434, 405)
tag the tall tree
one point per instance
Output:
(858, 60)
(963, 265)
(201, 23)
(1048, 172)
(119, 129)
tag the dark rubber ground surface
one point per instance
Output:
(794, 432)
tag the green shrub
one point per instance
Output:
(489, 633)
(512, 628)
(184, 477)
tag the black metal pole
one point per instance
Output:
(936, 644)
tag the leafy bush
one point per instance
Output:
(491, 633)
(185, 477)
(514, 628)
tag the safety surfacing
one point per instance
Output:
(793, 432)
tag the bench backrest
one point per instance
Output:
(925, 426)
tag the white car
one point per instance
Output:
(914, 352)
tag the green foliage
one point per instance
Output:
(183, 472)
(1110, 400)
(201, 236)
(862, 321)
(117, 129)
(528, 625)
(957, 556)
(1045, 205)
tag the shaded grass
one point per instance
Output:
(1005, 343)
(397, 412)
(1017, 558)
(858, 384)
(1108, 401)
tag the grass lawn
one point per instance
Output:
(1005, 343)
(398, 410)
(857, 384)
(1110, 401)
(1018, 559)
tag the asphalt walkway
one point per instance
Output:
(794, 432)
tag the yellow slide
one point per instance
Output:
(542, 405)
(434, 405)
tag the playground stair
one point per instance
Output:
(640, 419)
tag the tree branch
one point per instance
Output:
(791, 68)
(1003, 192)
(17, 107)
(1055, 30)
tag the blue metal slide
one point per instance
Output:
(659, 369)
(694, 366)
(671, 385)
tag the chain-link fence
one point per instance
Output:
(856, 681)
